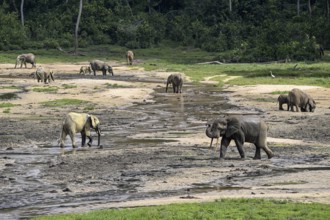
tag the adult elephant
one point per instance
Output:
(44, 75)
(129, 57)
(241, 129)
(100, 65)
(80, 123)
(301, 101)
(176, 81)
(26, 58)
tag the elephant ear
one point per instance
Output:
(233, 126)
(94, 121)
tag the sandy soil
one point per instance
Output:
(155, 148)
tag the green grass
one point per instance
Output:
(48, 89)
(172, 57)
(6, 105)
(7, 96)
(256, 209)
(9, 87)
(279, 92)
(63, 102)
(67, 86)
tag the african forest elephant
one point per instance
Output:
(241, 129)
(44, 75)
(176, 81)
(85, 70)
(26, 58)
(80, 123)
(300, 99)
(100, 65)
(283, 99)
(129, 57)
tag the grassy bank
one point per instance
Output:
(185, 59)
(223, 209)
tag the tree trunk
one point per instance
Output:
(22, 12)
(298, 7)
(328, 9)
(130, 9)
(77, 27)
(230, 5)
(309, 8)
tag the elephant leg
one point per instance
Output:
(211, 142)
(223, 147)
(239, 144)
(268, 151)
(280, 107)
(63, 136)
(173, 88)
(90, 141)
(73, 139)
(83, 139)
(257, 155)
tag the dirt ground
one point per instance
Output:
(155, 150)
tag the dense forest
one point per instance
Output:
(248, 30)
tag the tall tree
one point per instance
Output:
(298, 7)
(309, 8)
(22, 12)
(77, 27)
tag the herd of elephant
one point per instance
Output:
(241, 129)
(82, 122)
(252, 129)
(44, 75)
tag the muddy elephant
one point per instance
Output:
(100, 65)
(85, 70)
(283, 99)
(26, 58)
(129, 57)
(80, 123)
(176, 81)
(44, 75)
(301, 101)
(210, 135)
(241, 129)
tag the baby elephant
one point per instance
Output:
(44, 75)
(129, 57)
(80, 123)
(283, 99)
(176, 81)
(300, 100)
(26, 58)
(241, 129)
(85, 70)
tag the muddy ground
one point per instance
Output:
(154, 146)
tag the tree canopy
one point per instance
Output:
(250, 30)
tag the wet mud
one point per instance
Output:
(149, 151)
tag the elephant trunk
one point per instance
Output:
(211, 134)
(98, 131)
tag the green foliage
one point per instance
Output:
(253, 31)
(63, 102)
(222, 209)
